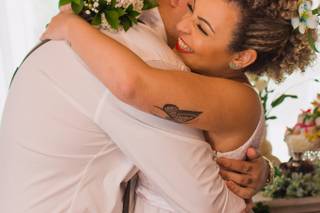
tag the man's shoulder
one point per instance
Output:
(148, 45)
(63, 71)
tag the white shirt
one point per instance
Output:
(67, 145)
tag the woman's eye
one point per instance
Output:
(202, 30)
(190, 7)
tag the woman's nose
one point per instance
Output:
(185, 25)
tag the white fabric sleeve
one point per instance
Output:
(180, 165)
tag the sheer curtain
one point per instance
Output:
(21, 23)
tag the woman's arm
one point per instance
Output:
(207, 103)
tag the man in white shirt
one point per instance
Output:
(67, 145)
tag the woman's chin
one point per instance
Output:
(186, 59)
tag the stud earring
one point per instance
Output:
(233, 66)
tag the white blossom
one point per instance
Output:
(96, 4)
(261, 84)
(105, 24)
(137, 4)
(93, 7)
(306, 19)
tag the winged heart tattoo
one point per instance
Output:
(177, 115)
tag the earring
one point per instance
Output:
(233, 66)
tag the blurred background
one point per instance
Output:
(22, 22)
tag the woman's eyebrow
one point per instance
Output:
(205, 21)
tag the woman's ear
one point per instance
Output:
(243, 59)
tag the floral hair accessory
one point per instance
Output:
(112, 15)
(307, 20)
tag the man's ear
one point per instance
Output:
(244, 58)
(174, 3)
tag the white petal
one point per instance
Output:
(304, 6)
(312, 22)
(261, 85)
(302, 28)
(301, 9)
(308, 5)
(295, 22)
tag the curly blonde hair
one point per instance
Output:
(266, 27)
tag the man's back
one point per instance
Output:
(58, 157)
(53, 154)
(56, 154)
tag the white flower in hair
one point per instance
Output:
(306, 19)
(261, 84)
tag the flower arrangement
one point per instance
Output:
(298, 184)
(112, 15)
(305, 135)
(307, 18)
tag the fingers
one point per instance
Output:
(43, 37)
(66, 8)
(243, 167)
(253, 154)
(249, 206)
(245, 193)
(241, 179)
(249, 203)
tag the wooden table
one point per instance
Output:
(297, 205)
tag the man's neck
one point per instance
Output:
(167, 15)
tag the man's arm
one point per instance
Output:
(181, 166)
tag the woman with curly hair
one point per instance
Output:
(220, 41)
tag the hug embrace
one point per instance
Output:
(165, 103)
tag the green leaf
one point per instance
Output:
(130, 8)
(279, 100)
(113, 3)
(78, 2)
(96, 20)
(261, 208)
(312, 42)
(277, 172)
(133, 20)
(113, 19)
(77, 8)
(315, 110)
(103, 4)
(64, 2)
(134, 13)
(126, 23)
(120, 11)
(149, 4)
(316, 11)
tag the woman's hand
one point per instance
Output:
(245, 178)
(59, 25)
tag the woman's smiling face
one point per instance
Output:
(205, 34)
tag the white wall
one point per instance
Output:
(21, 24)
(306, 89)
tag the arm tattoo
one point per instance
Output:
(175, 114)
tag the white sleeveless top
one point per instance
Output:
(149, 198)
